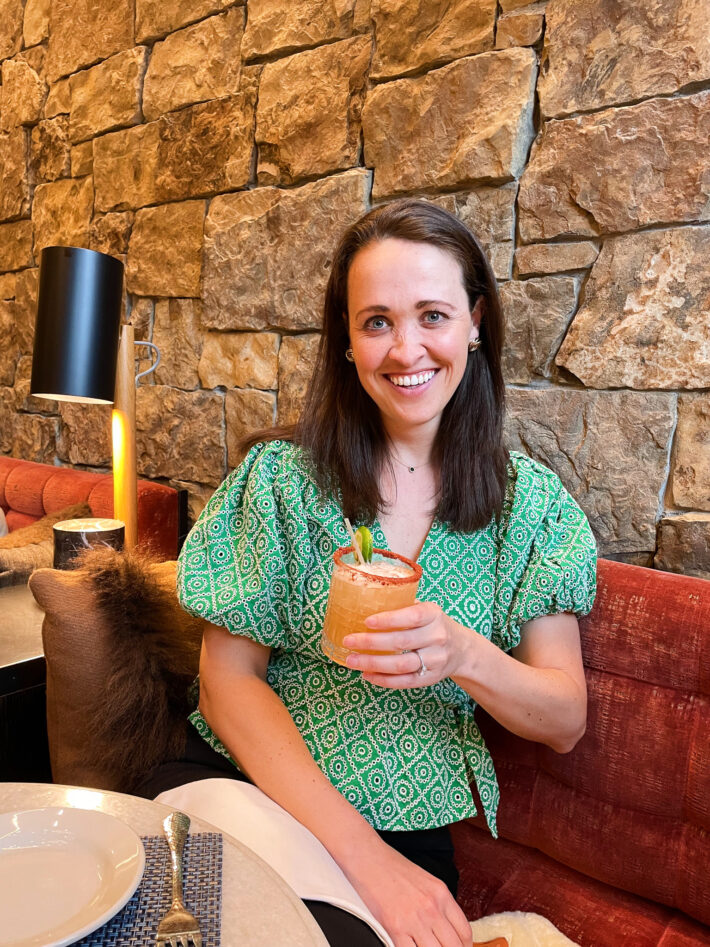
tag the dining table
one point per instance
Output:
(21, 653)
(252, 903)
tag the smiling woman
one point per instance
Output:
(402, 430)
(406, 273)
(410, 324)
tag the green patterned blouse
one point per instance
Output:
(258, 562)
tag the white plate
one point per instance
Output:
(63, 873)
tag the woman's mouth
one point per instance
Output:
(414, 380)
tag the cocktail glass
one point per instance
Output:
(389, 582)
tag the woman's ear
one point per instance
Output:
(476, 316)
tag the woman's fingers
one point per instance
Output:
(399, 682)
(421, 629)
(449, 936)
(408, 941)
(446, 927)
(408, 662)
(461, 927)
(415, 908)
(398, 641)
(413, 616)
(435, 930)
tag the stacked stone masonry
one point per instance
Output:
(219, 147)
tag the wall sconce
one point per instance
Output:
(78, 355)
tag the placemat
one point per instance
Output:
(135, 924)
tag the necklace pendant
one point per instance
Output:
(411, 469)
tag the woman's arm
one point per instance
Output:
(537, 691)
(256, 728)
(258, 731)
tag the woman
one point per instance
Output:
(402, 431)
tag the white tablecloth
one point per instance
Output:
(258, 907)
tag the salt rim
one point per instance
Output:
(384, 579)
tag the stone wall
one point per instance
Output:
(219, 147)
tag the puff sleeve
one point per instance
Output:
(547, 553)
(244, 563)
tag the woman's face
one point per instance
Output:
(410, 324)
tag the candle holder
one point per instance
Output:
(72, 536)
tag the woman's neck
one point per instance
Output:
(409, 493)
(413, 447)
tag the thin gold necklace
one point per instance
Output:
(409, 467)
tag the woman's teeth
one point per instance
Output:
(411, 381)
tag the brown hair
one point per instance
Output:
(340, 425)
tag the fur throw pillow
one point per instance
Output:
(121, 656)
(156, 656)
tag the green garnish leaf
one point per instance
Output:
(363, 537)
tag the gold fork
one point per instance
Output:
(178, 928)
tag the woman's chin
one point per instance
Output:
(403, 420)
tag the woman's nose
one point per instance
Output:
(406, 347)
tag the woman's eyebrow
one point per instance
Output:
(433, 302)
(422, 304)
(372, 309)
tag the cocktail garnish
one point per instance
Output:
(363, 537)
(356, 545)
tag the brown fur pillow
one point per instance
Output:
(121, 655)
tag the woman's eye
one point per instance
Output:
(377, 322)
(433, 317)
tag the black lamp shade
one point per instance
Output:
(78, 318)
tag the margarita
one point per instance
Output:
(358, 590)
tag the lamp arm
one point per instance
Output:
(155, 363)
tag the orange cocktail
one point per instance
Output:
(358, 591)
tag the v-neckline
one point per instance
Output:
(380, 540)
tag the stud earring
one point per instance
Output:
(473, 345)
(349, 355)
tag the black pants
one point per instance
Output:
(431, 849)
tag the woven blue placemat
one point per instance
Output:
(136, 923)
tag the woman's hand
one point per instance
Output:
(414, 907)
(421, 635)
